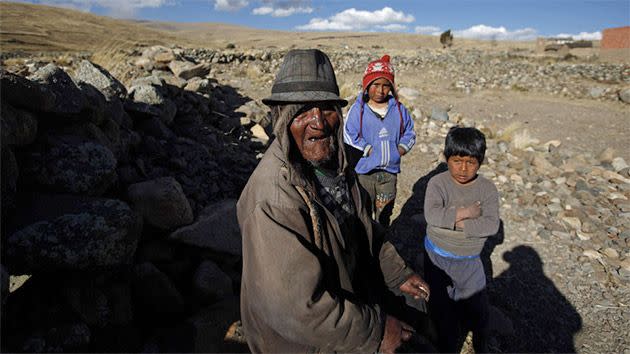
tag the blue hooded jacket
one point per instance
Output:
(383, 136)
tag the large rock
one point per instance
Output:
(96, 106)
(74, 337)
(187, 70)
(99, 300)
(96, 76)
(155, 294)
(10, 175)
(211, 283)
(216, 229)
(25, 93)
(151, 100)
(92, 233)
(161, 202)
(69, 164)
(69, 99)
(156, 57)
(18, 127)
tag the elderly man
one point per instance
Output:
(314, 263)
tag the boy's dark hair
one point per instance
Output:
(462, 141)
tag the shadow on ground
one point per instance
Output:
(542, 319)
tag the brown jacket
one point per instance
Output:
(298, 294)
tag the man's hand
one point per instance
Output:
(395, 333)
(416, 287)
(401, 151)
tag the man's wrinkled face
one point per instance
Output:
(314, 131)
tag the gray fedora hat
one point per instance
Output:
(305, 75)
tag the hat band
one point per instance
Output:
(300, 86)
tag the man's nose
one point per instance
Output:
(316, 119)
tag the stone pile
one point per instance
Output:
(118, 206)
(463, 69)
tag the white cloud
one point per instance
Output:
(394, 27)
(592, 36)
(283, 8)
(433, 30)
(230, 5)
(357, 20)
(498, 33)
(116, 8)
(266, 10)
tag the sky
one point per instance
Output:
(477, 19)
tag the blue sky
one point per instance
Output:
(481, 19)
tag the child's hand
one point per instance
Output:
(470, 212)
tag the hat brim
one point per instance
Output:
(303, 96)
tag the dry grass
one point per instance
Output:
(113, 56)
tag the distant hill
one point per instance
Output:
(38, 28)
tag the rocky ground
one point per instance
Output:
(557, 129)
(557, 132)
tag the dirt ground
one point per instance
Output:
(581, 125)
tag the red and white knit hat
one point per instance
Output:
(378, 69)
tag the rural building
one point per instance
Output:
(615, 44)
(616, 38)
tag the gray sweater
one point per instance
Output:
(443, 196)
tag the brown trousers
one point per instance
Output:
(381, 187)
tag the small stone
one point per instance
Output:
(618, 164)
(439, 114)
(560, 180)
(607, 155)
(573, 222)
(615, 195)
(624, 95)
(544, 234)
(561, 235)
(583, 236)
(517, 179)
(258, 132)
(610, 253)
(552, 144)
(554, 208)
(592, 254)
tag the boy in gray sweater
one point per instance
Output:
(462, 210)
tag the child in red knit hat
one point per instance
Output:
(381, 128)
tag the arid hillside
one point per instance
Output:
(37, 28)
